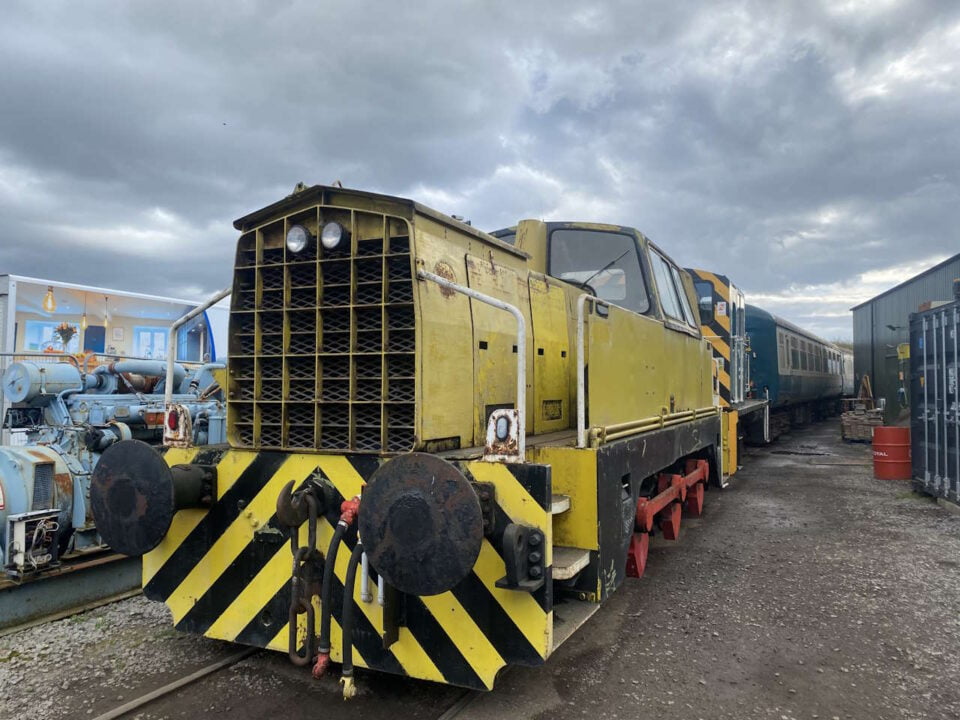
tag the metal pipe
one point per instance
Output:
(609, 437)
(662, 419)
(381, 591)
(172, 337)
(150, 368)
(766, 416)
(326, 589)
(349, 610)
(365, 594)
(581, 368)
(521, 347)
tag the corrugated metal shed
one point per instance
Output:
(882, 323)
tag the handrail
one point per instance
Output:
(172, 339)
(521, 347)
(581, 368)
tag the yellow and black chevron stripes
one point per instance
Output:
(226, 572)
(717, 328)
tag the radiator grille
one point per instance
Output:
(323, 344)
(42, 486)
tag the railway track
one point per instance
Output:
(462, 700)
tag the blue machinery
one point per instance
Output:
(66, 417)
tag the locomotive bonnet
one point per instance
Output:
(446, 449)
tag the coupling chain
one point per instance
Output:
(300, 600)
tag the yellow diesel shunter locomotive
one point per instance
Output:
(446, 449)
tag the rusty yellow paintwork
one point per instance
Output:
(574, 475)
(668, 374)
(730, 420)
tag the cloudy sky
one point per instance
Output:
(808, 150)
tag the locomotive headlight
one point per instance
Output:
(332, 235)
(298, 237)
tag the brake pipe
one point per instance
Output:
(348, 514)
(349, 584)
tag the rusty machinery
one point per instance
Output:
(62, 418)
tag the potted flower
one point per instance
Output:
(65, 331)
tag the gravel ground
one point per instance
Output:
(87, 664)
(807, 590)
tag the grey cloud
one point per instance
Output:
(745, 136)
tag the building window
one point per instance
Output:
(150, 342)
(39, 336)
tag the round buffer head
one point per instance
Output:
(421, 524)
(131, 491)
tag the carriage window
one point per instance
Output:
(794, 354)
(607, 262)
(781, 352)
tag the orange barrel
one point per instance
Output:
(891, 453)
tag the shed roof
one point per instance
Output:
(916, 277)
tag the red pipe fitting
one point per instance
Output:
(320, 667)
(349, 509)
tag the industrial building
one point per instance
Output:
(881, 325)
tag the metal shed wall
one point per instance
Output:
(875, 344)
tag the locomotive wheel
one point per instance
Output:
(421, 524)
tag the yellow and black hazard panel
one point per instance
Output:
(721, 306)
(446, 612)
(440, 442)
(723, 322)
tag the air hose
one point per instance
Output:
(326, 590)
(346, 679)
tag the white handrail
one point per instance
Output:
(172, 341)
(581, 368)
(521, 347)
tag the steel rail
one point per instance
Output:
(176, 684)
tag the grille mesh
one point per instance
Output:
(42, 486)
(323, 347)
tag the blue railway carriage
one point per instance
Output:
(802, 374)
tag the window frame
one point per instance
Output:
(72, 347)
(704, 318)
(153, 330)
(679, 293)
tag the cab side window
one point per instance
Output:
(673, 299)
